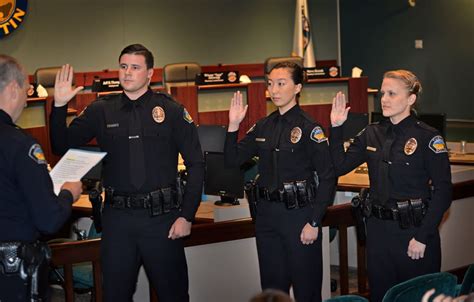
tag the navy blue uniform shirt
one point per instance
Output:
(418, 164)
(28, 205)
(107, 119)
(303, 148)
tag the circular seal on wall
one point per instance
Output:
(12, 14)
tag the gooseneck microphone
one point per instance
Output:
(186, 74)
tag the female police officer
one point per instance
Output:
(410, 184)
(290, 147)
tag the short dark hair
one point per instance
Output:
(296, 71)
(139, 49)
(10, 70)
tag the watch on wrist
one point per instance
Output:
(313, 223)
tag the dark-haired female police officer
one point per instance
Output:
(291, 146)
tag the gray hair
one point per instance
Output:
(10, 69)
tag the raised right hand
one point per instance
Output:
(74, 187)
(237, 112)
(339, 111)
(63, 91)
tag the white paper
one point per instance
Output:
(73, 166)
(356, 72)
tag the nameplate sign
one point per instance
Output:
(323, 72)
(101, 85)
(221, 77)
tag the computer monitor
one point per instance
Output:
(212, 137)
(228, 183)
(435, 120)
(376, 117)
(354, 124)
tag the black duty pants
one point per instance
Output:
(284, 261)
(132, 237)
(387, 261)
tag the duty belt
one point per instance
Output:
(159, 202)
(408, 212)
(296, 194)
(275, 196)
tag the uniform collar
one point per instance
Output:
(405, 124)
(128, 103)
(5, 118)
(290, 115)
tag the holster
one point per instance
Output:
(251, 190)
(30, 262)
(361, 209)
(95, 197)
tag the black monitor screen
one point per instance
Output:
(228, 183)
(212, 137)
(354, 124)
(435, 120)
(376, 117)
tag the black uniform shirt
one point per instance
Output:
(107, 119)
(418, 161)
(28, 205)
(297, 159)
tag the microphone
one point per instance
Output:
(186, 74)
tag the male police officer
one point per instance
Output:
(144, 215)
(28, 205)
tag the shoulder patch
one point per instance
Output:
(437, 145)
(186, 116)
(318, 135)
(251, 129)
(37, 154)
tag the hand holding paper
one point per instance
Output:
(73, 166)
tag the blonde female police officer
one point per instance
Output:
(410, 183)
(290, 146)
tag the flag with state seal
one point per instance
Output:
(302, 41)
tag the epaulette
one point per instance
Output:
(426, 127)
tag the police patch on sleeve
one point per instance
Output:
(37, 154)
(317, 135)
(437, 144)
(186, 116)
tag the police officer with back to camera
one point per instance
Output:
(410, 184)
(28, 205)
(145, 214)
(288, 202)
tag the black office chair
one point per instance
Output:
(46, 77)
(270, 62)
(180, 74)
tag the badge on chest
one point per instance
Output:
(410, 146)
(295, 135)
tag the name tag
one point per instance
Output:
(113, 125)
(259, 139)
(134, 137)
(369, 148)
